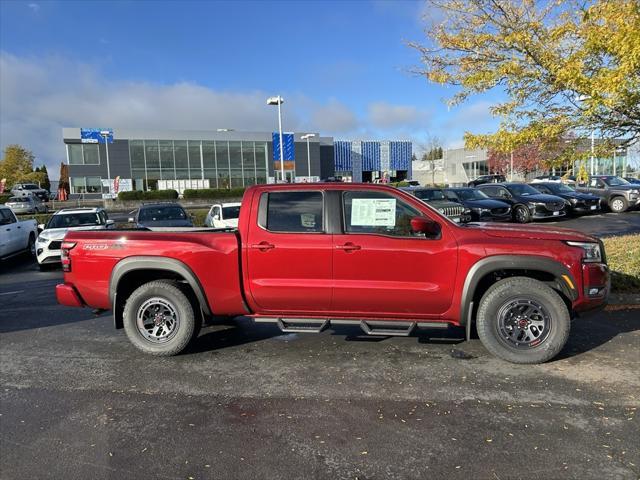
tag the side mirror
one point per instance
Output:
(109, 223)
(216, 217)
(40, 227)
(426, 226)
(131, 220)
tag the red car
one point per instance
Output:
(308, 256)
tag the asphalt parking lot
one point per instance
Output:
(78, 401)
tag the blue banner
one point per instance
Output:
(96, 135)
(287, 143)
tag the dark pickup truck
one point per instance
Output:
(309, 256)
(615, 193)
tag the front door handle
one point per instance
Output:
(263, 246)
(348, 247)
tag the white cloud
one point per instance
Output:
(387, 116)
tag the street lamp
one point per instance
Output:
(307, 137)
(279, 101)
(105, 134)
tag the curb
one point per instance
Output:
(627, 299)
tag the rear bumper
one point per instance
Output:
(66, 294)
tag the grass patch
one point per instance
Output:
(199, 215)
(623, 257)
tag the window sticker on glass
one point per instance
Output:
(373, 212)
(308, 220)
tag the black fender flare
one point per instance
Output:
(130, 264)
(512, 262)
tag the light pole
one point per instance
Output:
(307, 137)
(105, 134)
(593, 140)
(279, 101)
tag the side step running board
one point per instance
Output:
(370, 327)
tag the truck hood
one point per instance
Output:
(531, 231)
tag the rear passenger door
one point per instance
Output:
(289, 253)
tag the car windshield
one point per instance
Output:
(470, 194)
(522, 189)
(162, 213)
(70, 220)
(560, 188)
(230, 212)
(29, 187)
(615, 181)
(19, 199)
(430, 194)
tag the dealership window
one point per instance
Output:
(235, 159)
(85, 184)
(136, 154)
(83, 154)
(195, 164)
(180, 154)
(167, 164)
(377, 213)
(248, 163)
(152, 154)
(294, 212)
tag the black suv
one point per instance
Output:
(614, 192)
(436, 198)
(482, 179)
(577, 202)
(526, 202)
(161, 215)
(483, 208)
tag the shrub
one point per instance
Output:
(399, 184)
(150, 195)
(4, 197)
(199, 215)
(38, 217)
(209, 193)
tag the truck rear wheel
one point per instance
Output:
(522, 320)
(618, 204)
(159, 319)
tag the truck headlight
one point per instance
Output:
(42, 240)
(573, 200)
(590, 251)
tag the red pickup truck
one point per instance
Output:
(309, 256)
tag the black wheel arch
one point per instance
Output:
(131, 272)
(487, 271)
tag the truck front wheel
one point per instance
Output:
(159, 319)
(618, 204)
(522, 320)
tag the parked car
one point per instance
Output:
(437, 199)
(27, 189)
(16, 236)
(577, 202)
(526, 202)
(547, 179)
(223, 215)
(307, 257)
(482, 208)
(52, 233)
(615, 193)
(632, 180)
(482, 179)
(161, 215)
(412, 183)
(26, 205)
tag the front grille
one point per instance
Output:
(55, 245)
(554, 206)
(453, 211)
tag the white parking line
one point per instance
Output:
(11, 293)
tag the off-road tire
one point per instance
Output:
(495, 300)
(187, 324)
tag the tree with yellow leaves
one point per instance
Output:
(564, 66)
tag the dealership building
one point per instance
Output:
(161, 159)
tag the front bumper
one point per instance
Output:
(596, 280)
(45, 254)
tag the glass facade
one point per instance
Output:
(83, 154)
(226, 164)
(85, 184)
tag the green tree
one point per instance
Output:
(563, 66)
(16, 164)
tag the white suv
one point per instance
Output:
(50, 239)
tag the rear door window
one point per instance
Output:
(295, 212)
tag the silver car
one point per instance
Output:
(25, 205)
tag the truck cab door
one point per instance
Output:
(288, 253)
(382, 268)
(9, 238)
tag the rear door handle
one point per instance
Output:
(348, 247)
(263, 246)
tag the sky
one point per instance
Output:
(343, 68)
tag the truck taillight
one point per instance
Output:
(64, 255)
